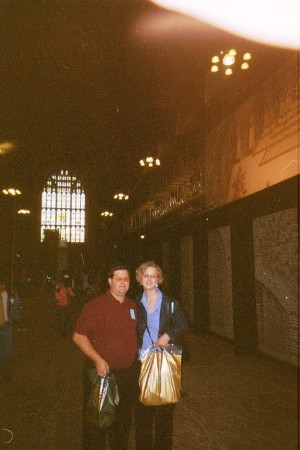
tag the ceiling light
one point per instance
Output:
(6, 147)
(228, 59)
(121, 196)
(11, 191)
(106, 214)
(244, 66)
(247, 56)
(149, 162)
(23, 211)
(215, 59)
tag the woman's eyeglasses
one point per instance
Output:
(152, 277)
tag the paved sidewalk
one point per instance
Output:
(230, 402)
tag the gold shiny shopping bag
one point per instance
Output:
(160, 377)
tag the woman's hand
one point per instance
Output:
(162, 341)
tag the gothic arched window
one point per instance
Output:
(63, 207)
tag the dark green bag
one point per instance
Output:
(101, 406)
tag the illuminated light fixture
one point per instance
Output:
(215, 59)
(247, 56)
(23, 211)
(150, 162)
(6, 147)
(214, 68)
(106, 214)
(142, 236)
(244, 66)
(121, 196)
(11, 191)
(229, 59)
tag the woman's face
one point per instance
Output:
(149, 278)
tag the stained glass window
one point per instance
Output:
(63, 207)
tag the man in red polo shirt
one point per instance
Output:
(106, 333)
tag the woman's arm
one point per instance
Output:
(177, 322)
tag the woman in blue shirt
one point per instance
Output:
(160, 321)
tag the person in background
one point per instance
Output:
(66, 278)
(106, 333)
(5, 333)
(166, 323)
(63, 295)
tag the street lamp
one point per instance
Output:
(14, 193)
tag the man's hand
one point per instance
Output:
(102, 367)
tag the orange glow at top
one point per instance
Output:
(273, 22)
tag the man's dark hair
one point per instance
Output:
(119, 266)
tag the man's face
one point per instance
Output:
(119, 283)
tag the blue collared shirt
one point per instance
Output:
(152, 320)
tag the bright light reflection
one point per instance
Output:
(272, 22)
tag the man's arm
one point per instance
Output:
(86, 347)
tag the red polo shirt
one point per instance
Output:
(111, 328)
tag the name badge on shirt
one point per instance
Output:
(132, 313)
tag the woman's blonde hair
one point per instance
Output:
(142, 269)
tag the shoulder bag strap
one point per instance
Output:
(145, 319)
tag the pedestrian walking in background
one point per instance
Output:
(5, 333)
(63, 296)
